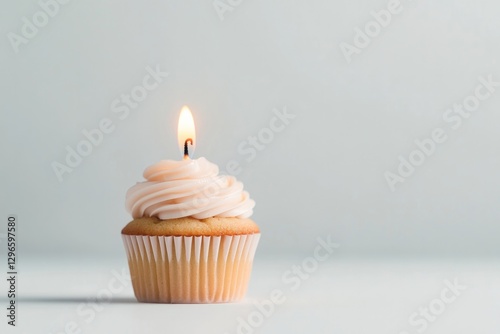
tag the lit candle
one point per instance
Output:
(186, 132)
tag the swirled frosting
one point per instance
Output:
(188, 188)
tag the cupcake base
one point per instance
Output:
(190, 269)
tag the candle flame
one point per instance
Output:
(186, 131)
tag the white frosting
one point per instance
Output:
(188, 188)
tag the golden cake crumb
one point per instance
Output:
(188, 226)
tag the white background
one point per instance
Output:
(322, 175)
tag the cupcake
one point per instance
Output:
(191, 239)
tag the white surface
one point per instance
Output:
(340, 297)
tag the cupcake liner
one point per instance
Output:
(190, 269)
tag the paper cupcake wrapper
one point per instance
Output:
(190, 269)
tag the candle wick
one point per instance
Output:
(186, 151)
